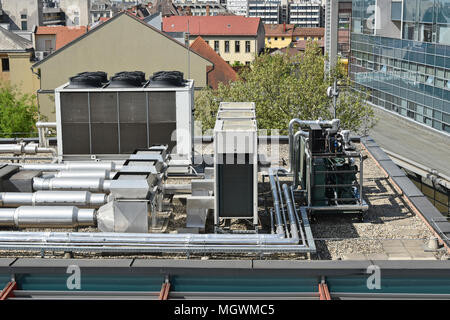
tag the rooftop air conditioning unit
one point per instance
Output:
(236, 162)
(97, 119)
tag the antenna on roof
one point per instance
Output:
(189, 50)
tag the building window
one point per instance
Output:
(237, 46)
(5, 64)
(207, 42)
(276, 38)
(247, 63)
(23, 16)
(227, 46)
(216, 46)
(247, 46)
(282, 38)
(24, 25)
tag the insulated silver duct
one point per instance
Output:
(104, 174)
(21, 148)
(47, 217)
(54, 198)
(80, 184)
(110, 166)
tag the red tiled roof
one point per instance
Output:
(103, 19)
(279, 29)
(221, 72)
(301, 44)
(212, 25)
(63, 34)
(309, 32)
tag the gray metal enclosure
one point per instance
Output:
(117, 121)
(236, 162)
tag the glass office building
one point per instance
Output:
(400, 55)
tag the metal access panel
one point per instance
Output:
(236, 163)
(110, 123)
(235, 187)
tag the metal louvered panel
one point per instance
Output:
(75, 119)
(106, 123)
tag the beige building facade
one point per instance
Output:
(16, 57)
(123, 43)
(233, 49)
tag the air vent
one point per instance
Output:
(127, 79)
(167, 79)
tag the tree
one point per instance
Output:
(285, 87)
(18, 112)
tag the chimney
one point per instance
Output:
(207, 9)
(284, 26)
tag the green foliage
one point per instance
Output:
(285, 87)
(18, 112)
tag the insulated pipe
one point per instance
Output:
(54, 198)
(20, 148)
(290, 207)
(47, 217)
(276, 201)
(104, 174)
(141, 239)
(41, 126)
(333, 124)
(11, 148)
(111, 166)
(72, 184)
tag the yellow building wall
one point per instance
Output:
(21, 74)
(122, 44)
(232, 56)
(277, 42)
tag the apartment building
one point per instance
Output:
(306, 14)
(238, 7)
(236, 39)
(268, 11)
(278, 35)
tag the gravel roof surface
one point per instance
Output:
(336, 235)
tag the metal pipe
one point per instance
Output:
(283, 213)
(11, 148)
(302, 234)
(21, 148)
(333, 124)
(290, 209)
(72, 184)
(104, 174)
(111, 166)
(144, 239)
(276, 202)
(47, 217)
(175, 188)
(41, 124)
(54, 198)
